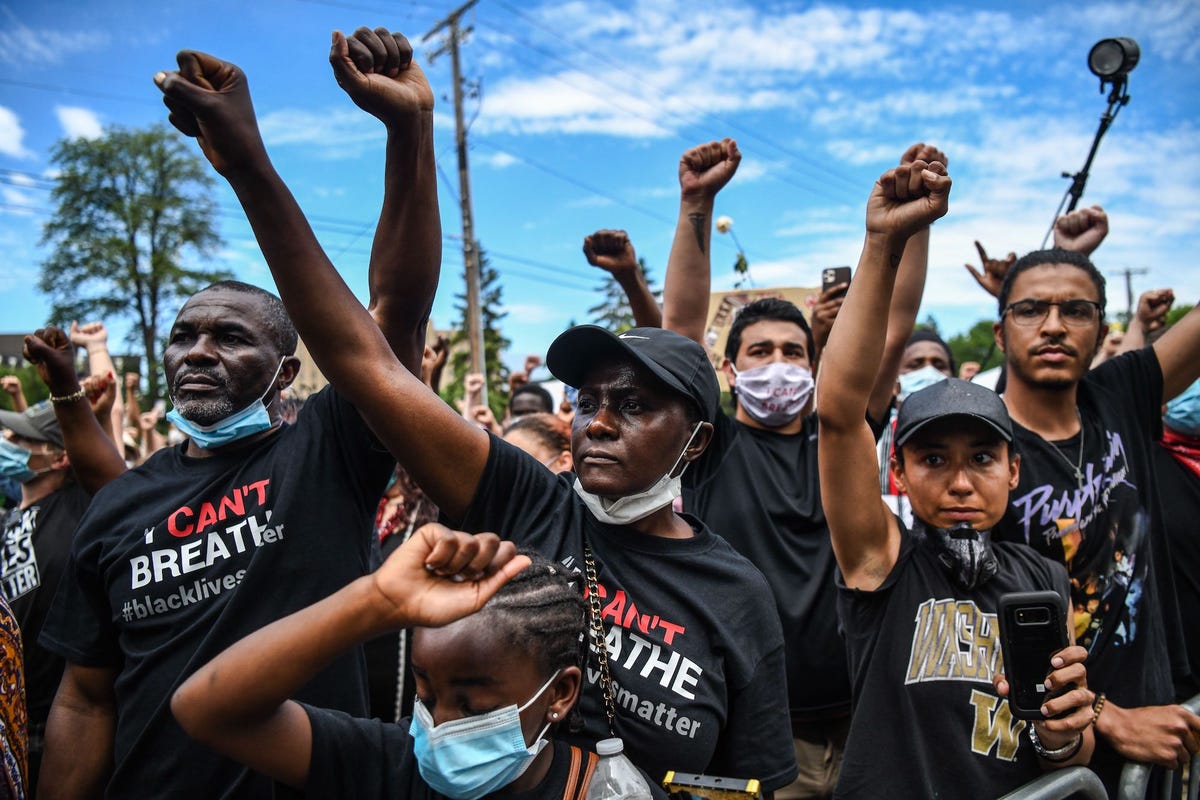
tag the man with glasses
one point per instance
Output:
(1086, 495)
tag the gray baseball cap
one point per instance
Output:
(952, 398)
(36, 422)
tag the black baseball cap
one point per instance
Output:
(952, 398)
(678, 361)
(36, 422)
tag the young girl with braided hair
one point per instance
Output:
(496, 657)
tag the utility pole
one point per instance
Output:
(1129, 307)
(470, 250)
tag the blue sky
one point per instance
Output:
(585, 107)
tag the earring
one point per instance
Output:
(553, 715)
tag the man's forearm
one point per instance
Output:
(686, 288)
(646, 313)
(407, 251)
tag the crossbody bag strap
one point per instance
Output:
(596, 631)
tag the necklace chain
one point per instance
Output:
(1077, 465)
(598, 638)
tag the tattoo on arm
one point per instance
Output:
(699, 223)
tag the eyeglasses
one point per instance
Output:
(1071, 312)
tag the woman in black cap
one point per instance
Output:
(919, 607)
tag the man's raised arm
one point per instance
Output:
(210, 100)
(612, 252)
(866, 540)
(376, 69)
(703, 171)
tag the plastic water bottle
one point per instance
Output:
(616, 778)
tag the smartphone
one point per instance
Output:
(1033, 626)
(832, 276)
(711, 787)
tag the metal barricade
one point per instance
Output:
(1136, 777)
(1062, 783)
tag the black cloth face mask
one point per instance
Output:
(965, 552)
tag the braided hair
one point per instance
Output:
(541, 611)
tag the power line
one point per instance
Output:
(849, 184)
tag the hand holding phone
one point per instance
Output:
(834, 276)
(1033, 628)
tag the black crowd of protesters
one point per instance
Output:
(373, 594)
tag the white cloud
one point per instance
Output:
(499, 160)
(20, 44)
(531, 312)
(12, 135)
(79, 123)
(334, 134)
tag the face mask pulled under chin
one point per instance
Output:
(775, 393)
(918, 379)
(631, 508)
(966, 553)
(252, 419)
(467, 758)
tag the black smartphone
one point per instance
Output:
(1033, 627)
(832, 276)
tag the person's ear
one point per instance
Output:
(563, 462)
(288, 372)
(897, 470)
(700, 442)
(61, 461)
(1101, 335)
(1014, 472)
(563, 693)
(730, 376)
(998, 334)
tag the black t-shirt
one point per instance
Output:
(695, 647)
(927, 720)
(1104, 532)
(759, 490)
(366, 758)
(1179, 491)
(180, 558)
(33, 553)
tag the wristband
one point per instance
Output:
(73, 397)
(1064, 753)
(1097, 707)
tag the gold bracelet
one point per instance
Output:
(73, 397)
(1097, 707)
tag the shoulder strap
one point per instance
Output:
(579, 775)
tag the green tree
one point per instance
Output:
(1177, 313)
(133, 209)
(494, 343)
(613, 312)
(977, 344)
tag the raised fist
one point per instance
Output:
(51, 352)
(132, 381)
(706, 168)
(209, 100)
(376, 68)
(908, 198)
(1152, 309)
(1082, 230)
(90, 333)
(611, 251)
(11, 384)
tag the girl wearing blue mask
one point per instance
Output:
(496, 658)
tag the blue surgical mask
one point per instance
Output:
(250, 420)
(918, 379)
(1183, 413)
(14, 462)
(465, 759)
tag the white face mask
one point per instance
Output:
(631, 508)
(775, 393)
(918, 379)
